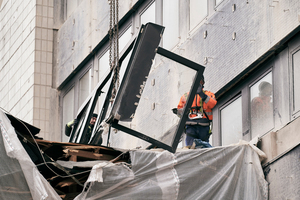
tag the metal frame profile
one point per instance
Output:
(78, 133)
(145, 47)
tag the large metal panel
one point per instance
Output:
(137, 71)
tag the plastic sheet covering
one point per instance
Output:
(231, 172)
(19, 177)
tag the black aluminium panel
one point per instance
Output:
(137, 71)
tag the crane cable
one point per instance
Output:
(114, 45)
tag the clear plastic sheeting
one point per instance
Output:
(231, 172)
(19, 177)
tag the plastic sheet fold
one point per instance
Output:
(232, 172)
(19, 177)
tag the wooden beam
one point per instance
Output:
(91, 155)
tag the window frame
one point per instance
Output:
(65, 4)
(192, 29)
(160, 10)
(252, 83)
(61, 102)
(294, 113)
(239, 95)
(242, 88)
(143, 9)
(217, 4)
(74, 83)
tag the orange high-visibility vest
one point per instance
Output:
(207, 105)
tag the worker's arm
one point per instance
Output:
(181, 105)
(210, 100)
(69, 126)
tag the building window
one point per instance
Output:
(231, 122)
(261, 100)
(103, 63)
(68, 111)
(124, 39)
(148, 15)
(198, 11)
(84, 87)
(171, 23)
(71, 5)
(218, 2)
(73, 98)
(296, 80)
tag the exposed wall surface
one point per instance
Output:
(277, 143)
(81, 32)
(257, 25)
(26, 60)
(235, 40)
(283, 176)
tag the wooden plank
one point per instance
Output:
(91, 155)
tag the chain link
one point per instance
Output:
(110, 34)
(114, 45)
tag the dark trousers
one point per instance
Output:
(196, 132)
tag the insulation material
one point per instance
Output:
(231, 172)
(19, 177)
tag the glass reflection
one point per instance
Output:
(148, 15)
(198, 11)
(68, 111)
(262, 106)
(296, 81)
(231, 122)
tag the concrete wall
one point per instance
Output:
(81, 32)
(283, 176)
(259, 26)
(279, 142)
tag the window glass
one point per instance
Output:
(171, 23)
(103, 64)
(103, 68)
(71, 5)
(149, 14)
(261, 94)
(218, 2)
(68, 111)
(231, 122)
(198, 11)
(84, 87)
(124, 39)
(296, 81)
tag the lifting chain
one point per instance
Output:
(114, 44)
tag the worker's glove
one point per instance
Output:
(175, 111)
(201, 93)
(75, 121)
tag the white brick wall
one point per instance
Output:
(26, 41)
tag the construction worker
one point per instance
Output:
(71, 124)
(197, 127)
(262, 108)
